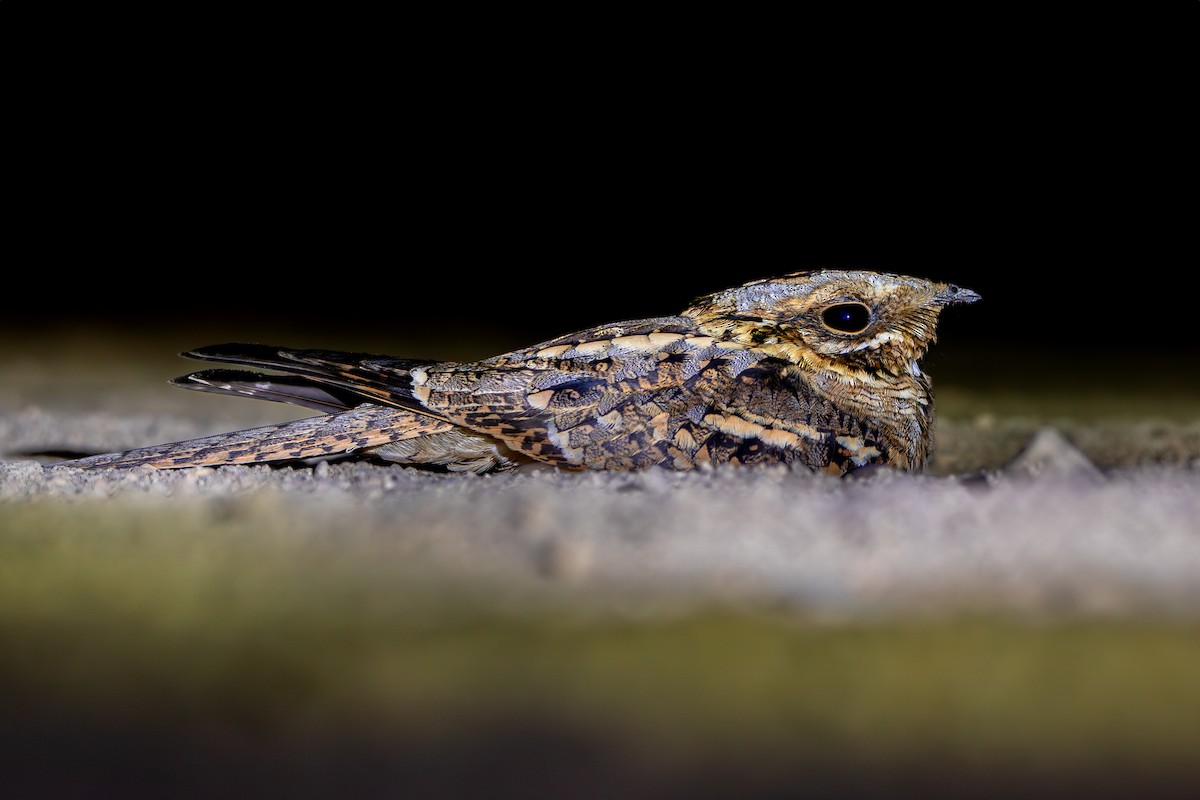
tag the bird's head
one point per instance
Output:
(852, 321)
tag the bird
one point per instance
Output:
(819, 369)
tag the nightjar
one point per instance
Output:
(820, 369)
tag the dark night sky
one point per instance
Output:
(367, 189)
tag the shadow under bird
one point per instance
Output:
(819, 369)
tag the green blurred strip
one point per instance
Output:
(222, 620)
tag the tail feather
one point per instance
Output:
(366, 399)
(364, 428)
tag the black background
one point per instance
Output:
(514, 179)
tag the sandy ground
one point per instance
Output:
(1046, 530)
(1036, 509)
(1019, 508)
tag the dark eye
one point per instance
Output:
(847, 317)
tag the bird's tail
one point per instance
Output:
(359, 429)
(367, 400)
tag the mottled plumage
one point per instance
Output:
(817, 368)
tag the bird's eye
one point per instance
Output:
(847, 317)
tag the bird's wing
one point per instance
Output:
(627, 396)
(321, 379)
(291, 389)
(330, 380)
(618, 396)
